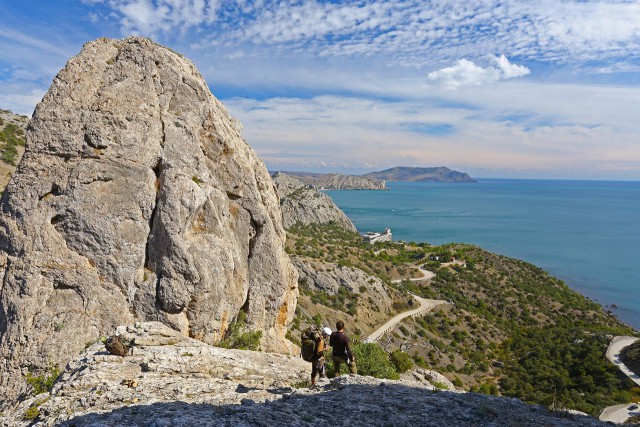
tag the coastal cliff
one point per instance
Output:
(338, 181)
(139, 209)
(305, 204)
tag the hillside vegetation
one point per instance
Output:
(12, 129)
(511, 329)
(631, 356)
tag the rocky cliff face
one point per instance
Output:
(136, 199)
(303, 203)
(171, 380)
(339, 181)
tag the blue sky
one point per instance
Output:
(544, 89)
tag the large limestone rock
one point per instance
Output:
(136, 199)
(303, 203)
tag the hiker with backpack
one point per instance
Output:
(313, 347)
(342, 350)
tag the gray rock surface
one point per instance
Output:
(303, 203)
(330, 277)
(136, 199)
(175, 381)
(429, 377)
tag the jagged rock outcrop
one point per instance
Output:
(332, 181)
(429, 377)
(171, 380)
(136, 199)
(303, 203)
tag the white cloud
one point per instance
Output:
(466, 73)
(547, 131)
(417, 33)
(509, 70)
(151, 17)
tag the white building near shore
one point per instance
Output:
(373, 237)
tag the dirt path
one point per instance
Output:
(425, 305)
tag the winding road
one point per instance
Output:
(620, 413)
(426, 275)
(425, 305)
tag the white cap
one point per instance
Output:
(327, 331)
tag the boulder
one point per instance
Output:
(136, 200)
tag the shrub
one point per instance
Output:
(42, 383)
(238, 337)
(372, 360)
(401, 361)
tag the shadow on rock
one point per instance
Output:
(343, 405)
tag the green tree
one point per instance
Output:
(372, 360)
(401, 361)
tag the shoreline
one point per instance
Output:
(579, 232)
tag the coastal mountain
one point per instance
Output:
(305, 204)
(138, 210)
(338, 181)
(376, 180)
(407, 173)
(136, 200)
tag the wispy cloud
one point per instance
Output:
(371, 80)
(153, 17)
(408, 32)
(550, 129)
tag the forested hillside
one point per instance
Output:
(510, 328)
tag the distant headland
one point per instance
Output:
(376, 180)
(431, 174)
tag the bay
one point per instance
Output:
(587, 233)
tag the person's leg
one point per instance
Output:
(337, 364)
(353, 369)
(314, 373)
(320, 367)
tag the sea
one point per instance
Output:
(586, 233)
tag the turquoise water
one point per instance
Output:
(584, 232)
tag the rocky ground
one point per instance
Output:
(170, 380)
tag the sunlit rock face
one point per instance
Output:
(136, 199)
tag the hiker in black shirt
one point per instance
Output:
(339, 341)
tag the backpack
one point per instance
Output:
(310, 339)
(118, 346)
